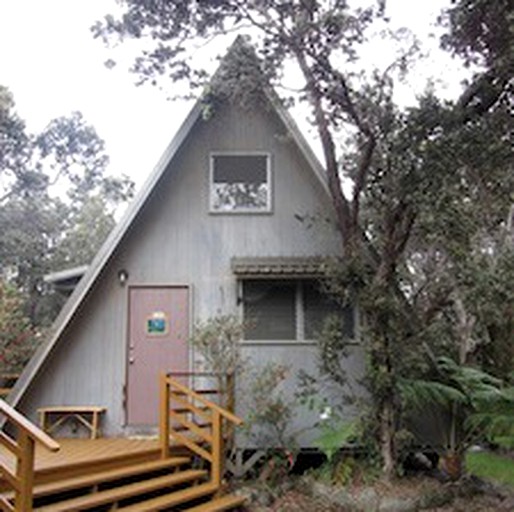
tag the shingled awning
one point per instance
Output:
(313, 266)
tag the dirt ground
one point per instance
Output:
(302, 495)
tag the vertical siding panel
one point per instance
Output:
(174, 240)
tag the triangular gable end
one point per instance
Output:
(115, 238)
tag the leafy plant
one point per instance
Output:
(269, 410)
(476, 403)
(217, 341)
(336, 435)
(269, 419)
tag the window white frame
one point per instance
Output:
(266, 208)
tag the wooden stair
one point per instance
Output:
(103, 477)
(165, 484)
(183, 474)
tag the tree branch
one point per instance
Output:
(340, 203)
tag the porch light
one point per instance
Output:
(123, 276)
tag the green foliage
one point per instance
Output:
(347, 470)
(41, 232)
(491, 466)
(478, 406)
(333, 346)
(506, 442)
(17, 338)
(488, 281)
(89, 228)
(14, 150)
(494, 415)
(335, 435)
(481, 31)
(218, 341)
(239, 80)
(432, 185)
(418, 393)
(177, 26)
(270, 410)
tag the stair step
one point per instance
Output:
(97, 463)
(179, 427)
(182, 410)
(217, 504)
(203, 391)
(172, 499)
(123, 492)
(107, 476)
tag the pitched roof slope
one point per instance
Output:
(109, 247)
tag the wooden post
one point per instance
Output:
(231, 406)
(24, 473)
(164, 417)
(231, 392)
(217, 449)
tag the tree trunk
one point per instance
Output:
(453, 463)
(387, 444)
(348, 221)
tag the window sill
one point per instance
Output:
(355, 343)
(279, 342)
(240, 212)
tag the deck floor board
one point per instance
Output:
(74, 451)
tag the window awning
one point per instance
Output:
(290, 267)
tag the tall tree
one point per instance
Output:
(17, 337)
(51, 183)
(14, 149)
(393, 159)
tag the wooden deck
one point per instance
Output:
(132, 473)
(78, 452)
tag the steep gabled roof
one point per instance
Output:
(115, 238)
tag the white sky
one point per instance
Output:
(53, 66)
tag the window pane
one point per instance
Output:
(318, 306)
(240, 169)
(269, 310)
(240, 182)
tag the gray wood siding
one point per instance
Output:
(196, 246)
(175, 240)
(298, 358)
(88, 365)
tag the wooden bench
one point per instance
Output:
(51, 418)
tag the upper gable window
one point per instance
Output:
(240, 182)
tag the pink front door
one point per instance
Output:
(158, 332)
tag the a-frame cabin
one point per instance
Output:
(234, 219)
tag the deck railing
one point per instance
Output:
(187, 417)
(22, 447)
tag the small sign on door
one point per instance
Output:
(157, 324)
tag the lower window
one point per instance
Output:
(294, 310)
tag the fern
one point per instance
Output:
(419, 393)
(469, 394)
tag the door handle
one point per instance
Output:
(132, 360)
